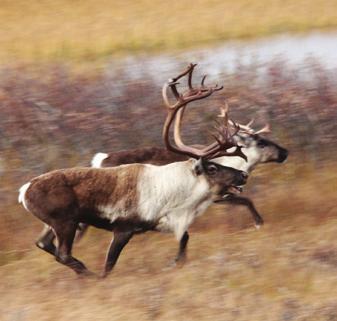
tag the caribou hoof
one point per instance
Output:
(88, 275)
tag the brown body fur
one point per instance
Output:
(150, 155)
(64, 198)
(82, 190)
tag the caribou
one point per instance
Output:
(135, 198)
(257, 149)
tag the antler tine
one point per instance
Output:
(247, 129)
(203, 80)
(250, 122)
(235, 126)
(190, 74)
(189, 70)
(173, 85)
(173, 82)
(243, 128)
(202, 87)
(224, 111)
(265, 129)
(165, 98)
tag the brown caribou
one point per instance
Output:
(134, 198)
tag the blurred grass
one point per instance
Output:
(85, 30)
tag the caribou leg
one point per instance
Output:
(81, 230)
(120, 239)
(181, 256)
(65, 234)
(240, 200)
(45, 240)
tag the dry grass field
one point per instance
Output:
(88, 30)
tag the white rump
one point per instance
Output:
(98, 159)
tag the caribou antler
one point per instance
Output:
(245, 128)
(227, 128)
(191, 94)
(223, 136)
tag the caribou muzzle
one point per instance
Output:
(282, 155)
(239, 180)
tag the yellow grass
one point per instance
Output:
(285, 271)
(34, 30)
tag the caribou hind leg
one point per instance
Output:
(81, 230)
(65, 234)
(46, 239)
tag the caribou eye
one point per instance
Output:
(262, 144)
(212, 169)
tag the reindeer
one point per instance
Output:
(134, 198)
(257, 149)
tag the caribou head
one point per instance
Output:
(250, 147)
(257, 148)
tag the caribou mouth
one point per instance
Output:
(227, 193)
(229, 190)
(235, 189)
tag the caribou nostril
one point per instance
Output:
(244, 175)
(283, 155)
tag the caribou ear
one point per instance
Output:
(199, 167)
